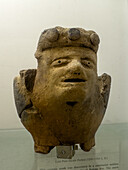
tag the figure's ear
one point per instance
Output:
(29, 78)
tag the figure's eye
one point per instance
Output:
(60, 62)
(86, 63)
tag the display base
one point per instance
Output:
(110, 152)
(96, 159)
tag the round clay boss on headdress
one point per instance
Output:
(94, 39)
(52, 34)
(74, 34)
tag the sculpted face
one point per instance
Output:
(67, 73)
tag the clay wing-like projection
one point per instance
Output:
(23, 86)
(105, 84)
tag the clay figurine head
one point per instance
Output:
(63, 101)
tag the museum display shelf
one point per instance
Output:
(110, 152)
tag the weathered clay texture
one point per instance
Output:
(63, 101)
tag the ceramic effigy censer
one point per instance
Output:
(63, 101)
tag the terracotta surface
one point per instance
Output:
(63, 101)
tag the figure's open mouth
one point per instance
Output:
(74, 80)
(71, 103)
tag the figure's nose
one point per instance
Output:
(76, 67)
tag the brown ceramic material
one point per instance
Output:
(63, 101)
